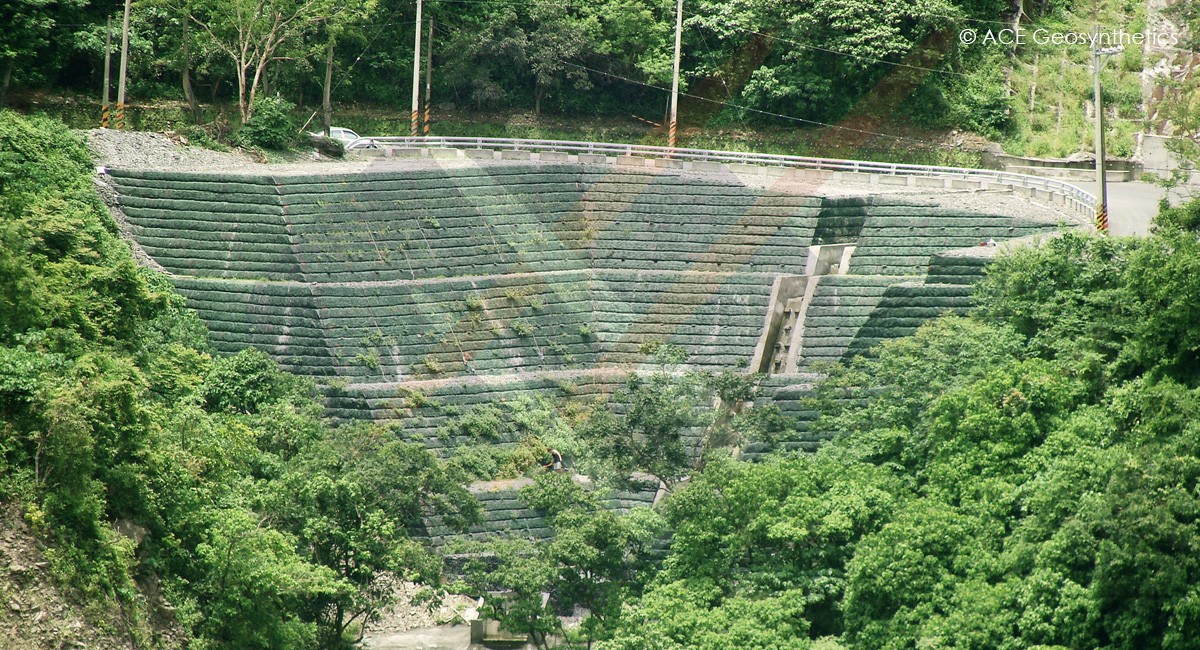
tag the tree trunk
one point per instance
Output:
(537, 101)
(243, 106)
(189, 93)
(327, 99)
(260, 75)
(8, 68)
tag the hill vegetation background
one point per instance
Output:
(869, 74)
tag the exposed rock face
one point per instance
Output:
(35, 613)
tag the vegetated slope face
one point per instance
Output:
(476, 283)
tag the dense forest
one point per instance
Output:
(496, 54)
(267, 528)
(868, 67)
(1023, 477)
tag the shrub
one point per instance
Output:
(980, 101)
(1180, 217)
(247, 381)
(521, 328)
(529, 454)
(413, 398)
(271, 127)
(201, 136)
(330, 147)
(368, 360)
(552, 493)
(478, 463)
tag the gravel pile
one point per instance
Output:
(143, 150)
(404, 615)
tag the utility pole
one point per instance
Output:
(673, 123)
(107, 73)
(327, 93)
(124, 67)
(1101, 179)
(428, 75)
(416, 74)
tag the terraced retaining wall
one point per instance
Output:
(484, 282)
(504, 512)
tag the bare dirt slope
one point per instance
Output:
(33, 612)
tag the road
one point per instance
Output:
(1132, 206)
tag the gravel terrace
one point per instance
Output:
(144, 150)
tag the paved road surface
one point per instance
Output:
(1131, 206)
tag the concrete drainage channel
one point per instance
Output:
(1059, 192)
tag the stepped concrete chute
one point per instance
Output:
(479, 281)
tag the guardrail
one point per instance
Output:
(1068, 195)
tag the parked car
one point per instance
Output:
(340, 133)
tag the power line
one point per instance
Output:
(736, 106)
(848, 54)
(744, 108)
(744, 31)
(564, 5)
(532, 3)
(346, 75)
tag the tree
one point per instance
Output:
(597, 560)
(349, 17)
(27, 25)
(644, 427)
(486, 54)
(514, 588)
(253, 33)
(248, 381)
(663, 423)
(692, 614)
(602, 561)
(265, 528)
(558, 39)
(254, 585)
(354, 502)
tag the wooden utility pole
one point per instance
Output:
(185, 75)
(673, 121)
(428, 75)
(416, 86)
(1101, 181)
(107, 74)
(1098, 55)
(327, 92)
(124, 67)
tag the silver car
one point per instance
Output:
(339, 133)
